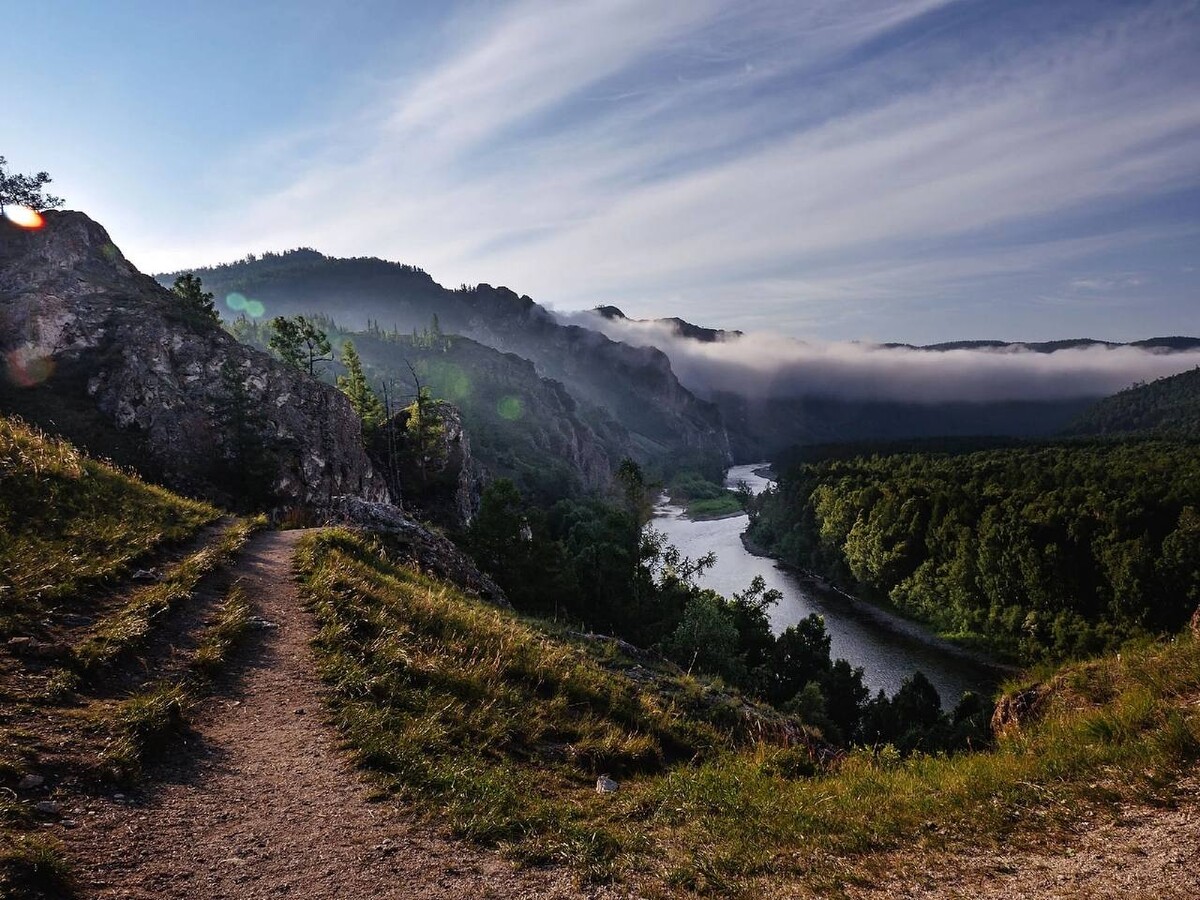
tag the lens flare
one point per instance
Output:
(23, 216)
(236, 301)
(255, 309)
(26, 367)
(510, 408)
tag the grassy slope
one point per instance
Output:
(501, 725)
(68, 522)
(67, 525)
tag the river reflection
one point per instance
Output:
(885, 656)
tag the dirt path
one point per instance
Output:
(260, 803)
(1141, 852)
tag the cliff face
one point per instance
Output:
(635, 385)
(441, 479)
(105, 355)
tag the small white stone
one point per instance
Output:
(605, 785)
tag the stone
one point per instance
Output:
(605, 785)
(29, 782)
(47, 807)
(113, 346)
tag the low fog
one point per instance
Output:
(762, 365)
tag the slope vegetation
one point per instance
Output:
(502, 726)
(99, 663)
(1169, 406)
(67, 522)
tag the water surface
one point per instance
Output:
(886, 657)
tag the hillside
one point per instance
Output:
(635, 385)
(1168, 406)
(1037, 552)
(104, 355)
(520, 425)
(160, 734)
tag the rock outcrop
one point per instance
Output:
(97, 351)
(427, 549)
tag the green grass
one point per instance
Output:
(717, 508)
(128, 628)
(68, 522)
(33, 867)
(149, 720)
(499, 725)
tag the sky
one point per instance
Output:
(890, 170)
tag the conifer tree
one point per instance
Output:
(355, 386)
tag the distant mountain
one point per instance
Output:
(1168, 344)
(676, 325)
(634, 385)
(1166, 406)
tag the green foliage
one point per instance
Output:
(493, 720)
(299, 342)
(68, 523)
(197, 303)
(247, 466)
(1168, 406)
(357, 389)
(702, 498)
(501, 724)
(1040, 552)
(25, 190)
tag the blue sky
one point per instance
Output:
(909, 170)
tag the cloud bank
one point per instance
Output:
(764, 365)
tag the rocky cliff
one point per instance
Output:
(634, 385)
(106, 356)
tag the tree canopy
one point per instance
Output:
(300, 342)
(197, 302)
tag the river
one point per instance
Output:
(886, 655)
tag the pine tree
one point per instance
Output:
(355, 386)
(197, 302)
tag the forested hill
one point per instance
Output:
(636, 385)
(1168, 405)
(1038, 552)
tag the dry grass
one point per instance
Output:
(68, 522)
(500, 726)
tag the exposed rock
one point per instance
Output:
(105, 355)
(429, 550)
(442, 480)
(30, 782)
(47, 807)
(1019, 709)
(605, 785)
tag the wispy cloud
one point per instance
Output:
(741, 158)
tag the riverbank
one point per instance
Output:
(885, 618)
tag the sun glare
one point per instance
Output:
(23, 216)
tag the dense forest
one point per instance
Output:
(1168, 406)
(1036, 553)
(590, 565)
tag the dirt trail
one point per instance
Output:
(260, 803)
(1140, 851)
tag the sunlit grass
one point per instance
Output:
(500, 726)
(68, 522)
(128, 627)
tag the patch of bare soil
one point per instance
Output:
(259, 802)
(1141, 852)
